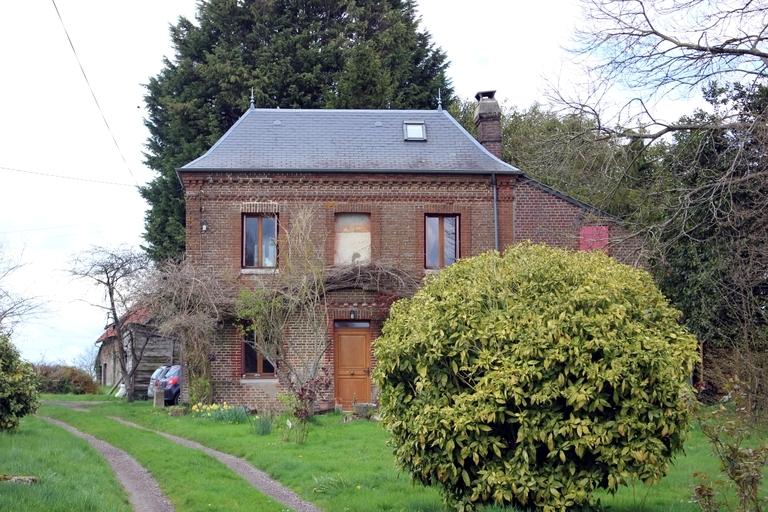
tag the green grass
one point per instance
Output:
(73, 476)
(71, 397)
(192, 480)
(348, 466)
(342, 467)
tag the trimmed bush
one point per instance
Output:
(18, 386)
(534, 379)
(56, 378)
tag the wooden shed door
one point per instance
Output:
(353, 366)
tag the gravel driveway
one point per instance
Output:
(255, 477)
(143, 492)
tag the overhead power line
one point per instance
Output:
(93, 94)
(61, 177)
(46, 228)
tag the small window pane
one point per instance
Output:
(250, 360)
(450, 225)
(269, 241)
(351, 324)
(251, 236)
(433, 242)
(414, 131)
(268, 368)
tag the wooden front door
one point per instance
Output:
(352, 349)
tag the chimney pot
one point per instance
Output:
(488, 121)
(485, 94)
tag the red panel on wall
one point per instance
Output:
(594, 238)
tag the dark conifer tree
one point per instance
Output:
(294, 54)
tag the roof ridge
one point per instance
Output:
(346, 110)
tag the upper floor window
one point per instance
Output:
(594, 238)
(441, 237)
(414, 130)
(353, 239)
(260, 241)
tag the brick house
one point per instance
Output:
(409, 188)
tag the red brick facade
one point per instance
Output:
(397, 204)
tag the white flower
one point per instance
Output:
(289, 424)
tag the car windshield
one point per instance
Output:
(173, 371)
(159, 372)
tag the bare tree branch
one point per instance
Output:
(13, 307)
(189, 303)
(660, 45)
(116, 272)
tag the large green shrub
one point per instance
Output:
(535, 378)
(18, 386)
(56, 378)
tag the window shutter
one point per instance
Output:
(594, 238)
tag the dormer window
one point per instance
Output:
(414, 130)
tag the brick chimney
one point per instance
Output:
(488, 121)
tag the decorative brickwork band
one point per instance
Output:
(259, 207)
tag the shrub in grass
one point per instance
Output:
(293, 422)
(535, 378)
(56, 378)
(331, 485)
(261, 424)
(731, 431)
(18, 386)
(293, 430)
(200, 390)
(177, 410)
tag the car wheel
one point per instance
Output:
(176, 398)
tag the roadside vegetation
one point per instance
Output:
(57, 378)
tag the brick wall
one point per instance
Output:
(397, 204)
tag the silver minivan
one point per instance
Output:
(156, 375)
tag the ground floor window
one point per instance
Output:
(255, 365)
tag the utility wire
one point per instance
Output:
(93, 94)
(47, 228)
(72, 178)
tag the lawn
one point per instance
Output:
(192, 480)
(348, 466)
(73, 476)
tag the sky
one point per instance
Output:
(50, 124)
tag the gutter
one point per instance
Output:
(495, 210)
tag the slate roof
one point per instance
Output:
(346, 140)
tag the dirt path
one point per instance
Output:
(143, 492)
(255, 477)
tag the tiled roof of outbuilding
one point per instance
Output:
(138, 316)
(346, 140)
